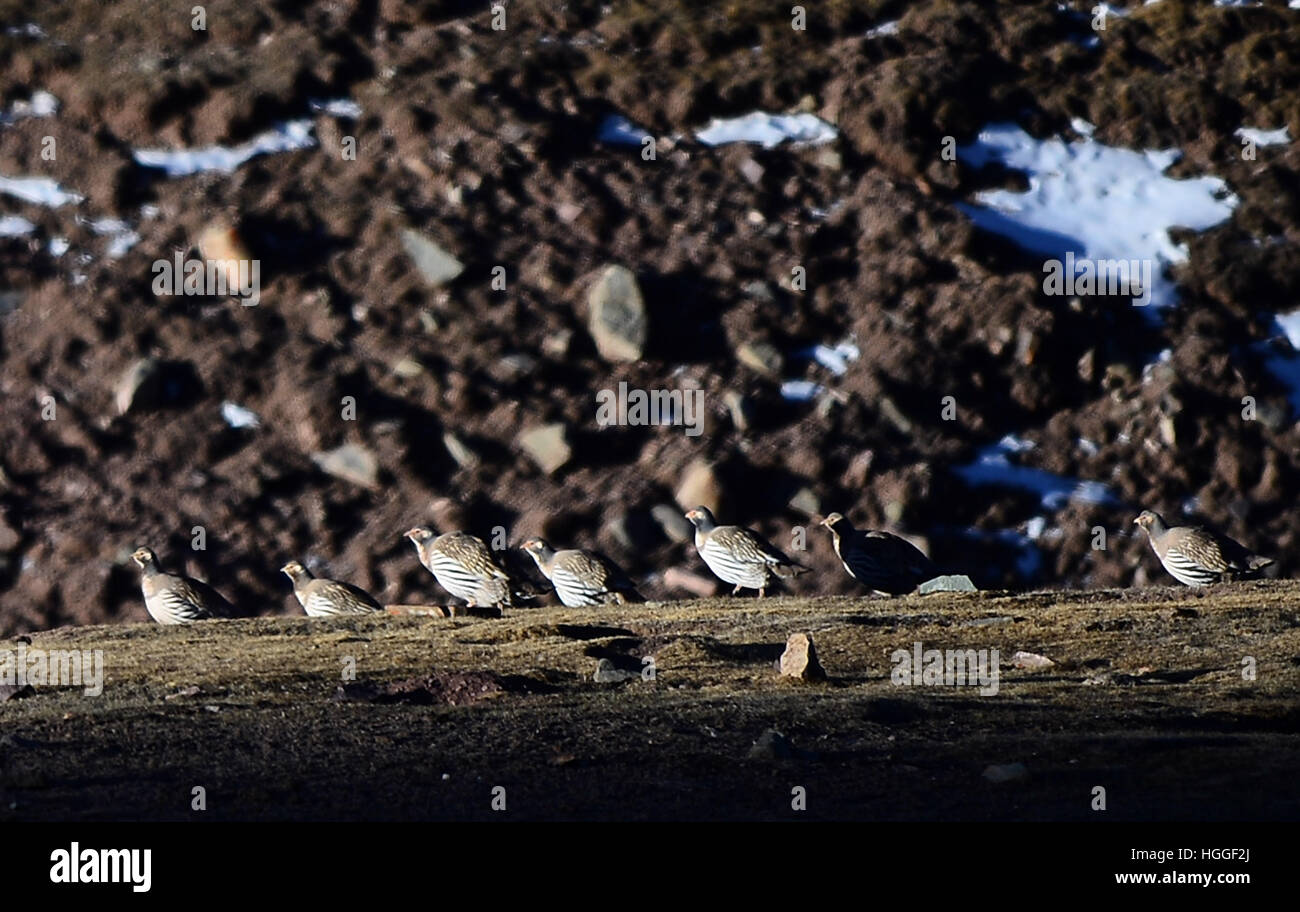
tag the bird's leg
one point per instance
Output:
(762, 590)
(736, 591)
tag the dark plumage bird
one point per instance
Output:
(739, 556)
(173, 599)
(1197, 556)
(879, 560)
(327, 597)
(582, 578)
(465, 566)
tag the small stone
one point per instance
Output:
(699, 487)
(568, 212)
(800, 659)
(829, 158)
(220, 242)
(805, 501)
(771, 745)
(1030, 660)
(556, 345)
(759, 291)
(435, 265)
(859, 470)
(675, 526)
(350, 462)
(751, 171)
(609, 673)
(1006, 772)
(465, 457)
(738, 407)
(948, 583)
(548, 446)
(140, 386)
(617, 315)
(635, 532)
(408, 368)
(891, 413)
(761, 357)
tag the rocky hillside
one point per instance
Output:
(434, 202)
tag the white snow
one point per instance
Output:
(617, 130)
(121, 236)
(834, 358)
(1279, 137)
(993, 467)
(768, 130)
(885, 28)
(15, 226)
(290, 136)
(800, 390)
(1081, 126)
(29, 30)
(41, 104)
(1289, 325)
(40, 190)
(345, 108)
(58, 246)
(239, 417)
(1095, 200)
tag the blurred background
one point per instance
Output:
(855, 285)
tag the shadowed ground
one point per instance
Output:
(1147, 698)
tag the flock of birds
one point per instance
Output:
(467, 568)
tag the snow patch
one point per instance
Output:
(1099, 202)
(1279, 137)
(239, 417)
(290, 136)
(617, 130)
(39, 190)
(768, 130)
(993, 466)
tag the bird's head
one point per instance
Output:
(832, 520)
(295, 570)
(701, 517)
(144, 558)
(1148, 520)
(420, 535)
(538, 550)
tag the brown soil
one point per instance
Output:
(482, 140)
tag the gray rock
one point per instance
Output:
(699, 487)
(350, 462)
(1006, 772)
(140, 387)
(609, 673)
(761, 357)
(738, 407)
(948, 583)
(617, 315)
(675, 525)
(547, 445)
(435, 265)
(635, 532)
(805, 501)
(465, 457)
(799, 660)
(771, 745)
